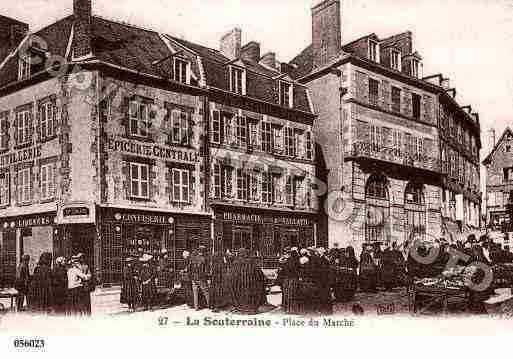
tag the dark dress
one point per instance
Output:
(322, 280)
(39, 297)
(218, 290)
(148, 290)
(368, 273)
(388, 269)
(130, 287)
(247, 285)
(186, 284)
(60, 288)
(291, 295)
(346, 279)
(309, 291)
(22, 284)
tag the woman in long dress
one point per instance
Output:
(368, 271)
(60, 286)
(218, 290)
(148, 285)
(40, 296)
(291, 296)
(347, 282)
(130, 287)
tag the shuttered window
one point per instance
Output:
(47, 181)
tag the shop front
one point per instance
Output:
(126, 232)
(264, 233)
(29, 234)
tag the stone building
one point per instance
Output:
(104, 149)
(499, 182)
(378, 133)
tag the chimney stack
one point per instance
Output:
(326, 32)
(231, 44)
(446, 84)
(491, 137)
(250, 52)
(82, 10)
(269, 59)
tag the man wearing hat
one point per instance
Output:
(77, 301)
(88, 283)
(199, 275)
(148, 285)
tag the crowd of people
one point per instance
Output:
(63, 290)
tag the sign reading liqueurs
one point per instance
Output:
(152, 150)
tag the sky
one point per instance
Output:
(469, 41)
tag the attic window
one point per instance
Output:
(373, 51)
(24, 67)
(414, 69)
(285, 94)
(237, 80)
(181, 72)
(395, 60)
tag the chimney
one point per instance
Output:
(250, 52)
(12, 33)
(491, 137)
(286, 68)
(269, 59)
(326, 32)
(231, 44)
(82, 10)
(467, 109)
(446, 84)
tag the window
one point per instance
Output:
(237, 80)
(415, 99)
(508, 148)
(285, 94)
(216, 127)
(24, 188)
(24, 67)
(289, 191)
(228, 182)
(395, 60)
(378, 210)
(375, 138)
(253, 135)
(139, 122)
(4, 131)
(227, 119)
(181, 73)
(414, 193)
(373, 51)
(267, 188)
(309, 145)
(180, 127)
(419, 148)
(47, 118)
(267, 143)
(278, 188)
(373, 92)
(5, 192)
(415, 211)
(181, 185)
(241, 131)
(277, 140)
(24, 127)
(217, 184)
(414, 68)
(47, 181)
(290, 143)
(396, 99)
(139, 180)
(254, 187)
(242, 185)
(508, 174)
(397, 139)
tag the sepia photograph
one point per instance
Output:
(185, 166)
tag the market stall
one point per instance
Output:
(438, 293)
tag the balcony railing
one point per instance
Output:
(394, 155)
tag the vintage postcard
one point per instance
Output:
(337, 166)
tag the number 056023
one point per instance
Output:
(29, 343)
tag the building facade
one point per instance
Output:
(499, 183)
(118, 140)
(378, 133)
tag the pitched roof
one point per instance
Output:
(489, 158)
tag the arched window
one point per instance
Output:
(415, 210)
(378, 208)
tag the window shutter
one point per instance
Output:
(125, 120)
(406, 102)
(190, 131)
(55, 125)
(216, 122)
(39, 136)
(31, 127)
(5, 132)
(16, 125)
(191, 180)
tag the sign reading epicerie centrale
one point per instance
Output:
(152, 150)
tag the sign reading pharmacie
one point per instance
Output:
(152, 150)
(260, 219)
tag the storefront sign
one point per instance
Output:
(160, 152)
(27, 154)
(143, 218)
(291, 221)
(242, 217)
(256, 218)
(32, 221)
(75, 213)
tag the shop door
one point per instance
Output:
(290, 238)
(82, 239)
(8, 258)
(243, 238)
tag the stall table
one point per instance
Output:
(11, 294)
(439, 294)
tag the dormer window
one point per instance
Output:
(24, 67)
(395, 59)
(181, 70)
(414, 68)
(237, 80)
(373, 51)
(286, 94)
